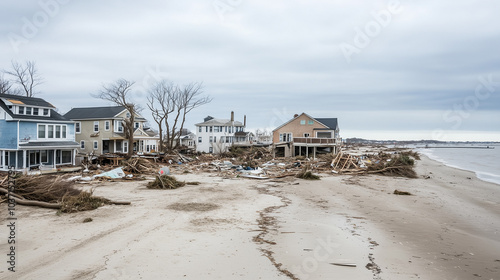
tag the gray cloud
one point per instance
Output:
(269, 60)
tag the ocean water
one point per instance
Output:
(484, 162)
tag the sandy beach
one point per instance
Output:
(340, 227)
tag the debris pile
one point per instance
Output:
(395, 164)
(139, 165)
(53, 192)
(165, 182)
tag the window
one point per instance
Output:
(118, 126)
(78, 127)
(64, 131)
(96, 145)
(96, 126)
(106, 125)
(66, 157)
(199, 129)
(211, 139)
(211, 129)
(210, 150)
(58, 131)
(50, 131)
(44, 156)
(82, 145)
(310, 122)
(125, 146)
(225, 128)
(216, 129)
(45, 112)
(324, 135)
(136, 125)
(21, 110)
(306, 135)
(215, 139)
(28, 110)
(35, 111)
(302, 122)
(41, 131)
(199, 139)
(206, 128)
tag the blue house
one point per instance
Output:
(32, 134)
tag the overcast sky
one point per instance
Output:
(386, 69)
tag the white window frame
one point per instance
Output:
(78, 127)
(118, 125)
(302, 122)
(200, 140)
(125, 147)
(95, 145)
(107, 125)
(199, 128)
(96, 124)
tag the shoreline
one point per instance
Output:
(342, 226)
(476, 173)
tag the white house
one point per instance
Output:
(217, 135)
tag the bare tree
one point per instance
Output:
(172, 100)
(160, 103)
(118, 93)
(26, 76)
(6, 86)
(187, 99)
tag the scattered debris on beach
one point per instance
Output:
(55, 192)
(165, 182)
(402, 192)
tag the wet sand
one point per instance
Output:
(283, 229)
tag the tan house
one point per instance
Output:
(100, 130)
(305, 135)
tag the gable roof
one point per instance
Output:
(222, 122)
(331, 123)
(94, 112)
(24, 100)
(31, 101)
(328, 123)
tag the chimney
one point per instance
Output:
(245, 121)
(232, 116)
(296, 115)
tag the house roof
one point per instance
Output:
(329, 123)
(222, 122)
(38, 102)
(24, 100)
(86, 113)
(94, 112)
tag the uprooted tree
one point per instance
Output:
(170, 104)
(119, 93)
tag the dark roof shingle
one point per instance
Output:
(93, 113)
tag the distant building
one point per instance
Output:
(217, 135)
(100, 130)
(305, 135)
(33, 134)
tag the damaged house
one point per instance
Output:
(101, 130)
(306, 136)
(33, 134)
(217, 135)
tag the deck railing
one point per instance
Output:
(314, 140)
